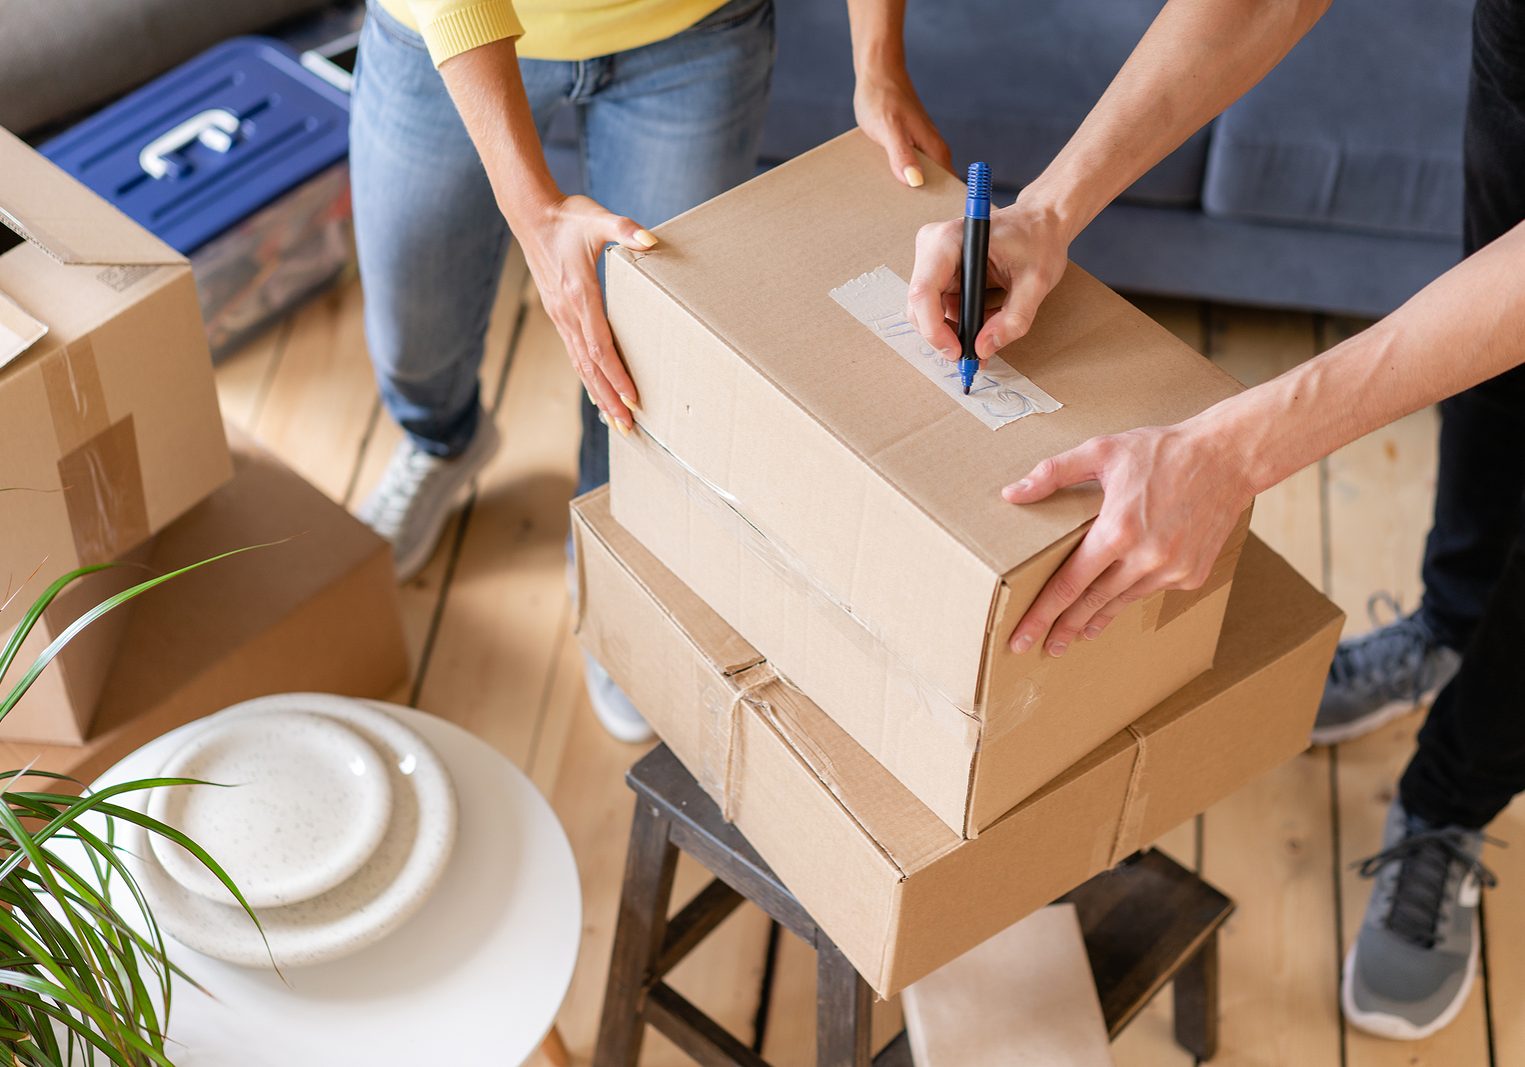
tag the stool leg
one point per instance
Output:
(844, 1004)
(649, 867)
(555, 1049)
(1196, 997)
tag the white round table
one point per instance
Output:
(475, 978)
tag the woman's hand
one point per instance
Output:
(887, 108)
(562, 243)
(1172, 495)
(1028, 251)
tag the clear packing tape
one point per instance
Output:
(98, 466)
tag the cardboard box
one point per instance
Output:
(898, 891)
(60, 706)
(879, 488)
(1025, 998)
(316, 611)
(968, 771)
(109, 424)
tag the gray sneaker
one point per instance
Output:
(418, 493)
(1384, 674)
(612, 706)
(1413, 962)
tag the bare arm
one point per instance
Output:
(885, 103)
(562, 236)
(1172, 493)
(1196, 59)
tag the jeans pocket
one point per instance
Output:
(730, 16)
(393, 28)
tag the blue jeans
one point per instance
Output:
(662, 128)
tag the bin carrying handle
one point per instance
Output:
(214, 128)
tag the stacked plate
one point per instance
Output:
(334, 820)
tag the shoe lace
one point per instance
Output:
(406, 473)
(1397, 650)
(1419, 893)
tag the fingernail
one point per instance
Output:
(629, 403)
(603, 418)
(1092, 632)
(645, 238)
(1021, 487)
(624, 426)
(913, 177)
(1057, 649)
(1022, 644)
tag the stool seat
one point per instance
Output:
(1146, 922)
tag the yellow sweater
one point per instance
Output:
(547, 29)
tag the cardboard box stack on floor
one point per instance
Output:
(112, 450)
(804, 574)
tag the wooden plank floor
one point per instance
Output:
(490, 629)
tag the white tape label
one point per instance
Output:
(1000, 393)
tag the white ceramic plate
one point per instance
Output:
(376, 900)
(306, 802)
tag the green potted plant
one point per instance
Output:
(80, 982)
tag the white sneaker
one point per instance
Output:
(612, 706)
(418, 493)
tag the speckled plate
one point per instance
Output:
(378, 898)
(306, 802)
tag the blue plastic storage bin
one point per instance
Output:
(236, 158)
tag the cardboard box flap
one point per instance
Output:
(720, 645)
(840, 214)
(59, 215)
(18, 331)
(904, 828)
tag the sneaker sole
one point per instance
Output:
(1395, 1027)
(1368, 723)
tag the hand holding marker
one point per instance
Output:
(972, 286)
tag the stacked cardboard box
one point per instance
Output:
(112, 451)
(804, 574)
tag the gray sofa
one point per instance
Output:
(1335, 184)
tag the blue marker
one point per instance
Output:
(976, 254)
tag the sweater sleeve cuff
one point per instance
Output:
(452, 32)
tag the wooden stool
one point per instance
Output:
(1146, 922)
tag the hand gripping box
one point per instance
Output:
(813, 472)
(893, 886)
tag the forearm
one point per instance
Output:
(1196, 59)
(1463, 328)
(878, 36)
(488, 92)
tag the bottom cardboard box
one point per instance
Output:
(899, 892)
(60, 707)
(317, 610)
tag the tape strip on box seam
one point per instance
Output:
(1132, 815)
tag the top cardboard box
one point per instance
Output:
(875, 486)
(109, 423)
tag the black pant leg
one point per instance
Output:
(1471, 758)
(1481, 478)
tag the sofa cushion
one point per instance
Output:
(61, 56)
(1007, 83)
(1359, 127)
